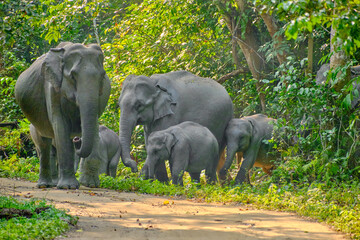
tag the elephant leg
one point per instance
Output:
(178, 170)
(230, 154)
(248, 177)
(113, 164)
(195, 177)
(210, 170)
(76, 163)
(161, 173)
(94, 165)
(45, 176)
(248, 162)
(43, 148)
(54, 166)
(66, 157)
(90, 168)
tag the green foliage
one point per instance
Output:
(47, 224)
(303, 16)
(313, 126)
(9, 110)
(157, 37)
(24, 168)
(17, 141)
(75, 23)
(20, 35)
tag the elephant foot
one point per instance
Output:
(88, 180)
(45, 184)
(68, 183)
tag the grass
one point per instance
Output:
(46, 224)
(336, 204)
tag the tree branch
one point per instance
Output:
(232, 74)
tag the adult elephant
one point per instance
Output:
(63, 93)
(164, 100)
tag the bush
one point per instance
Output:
(17, 141)
(45, 222)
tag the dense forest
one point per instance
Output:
(265, 53)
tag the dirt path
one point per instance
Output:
(105, 214)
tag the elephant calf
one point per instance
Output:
(247, 135)
(188, 146)
(103, 159)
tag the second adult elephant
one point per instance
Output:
(164, 100)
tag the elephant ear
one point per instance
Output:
(52, 67)
(170, 140)
(164, 101)
(253, 131)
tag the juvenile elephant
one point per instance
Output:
(63, 93)
(104, 158)
(248, 135)
(164, 100)
(188, 146)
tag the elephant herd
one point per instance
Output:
(187, 120)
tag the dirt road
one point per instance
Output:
(105, 214)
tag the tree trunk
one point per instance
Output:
(338, 59)
(277, 38)
(249, 45)
(310, 55)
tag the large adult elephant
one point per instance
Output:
(63, 93)
(164, 100)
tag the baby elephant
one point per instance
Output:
(247, 135)
(188, 146)
(103, 159)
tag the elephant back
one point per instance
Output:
(197, 99)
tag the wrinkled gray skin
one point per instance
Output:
(188, 146)
(53, 160)
(164, 100)
(247, 135)
(321, 76)
(63, 93)
(104, 158)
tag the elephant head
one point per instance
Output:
(143, 101)
(159, 149)
(78, 81)
(239, 134)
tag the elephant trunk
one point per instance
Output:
(152, 170)
(89, 106)
(126, 128)
(148, 170)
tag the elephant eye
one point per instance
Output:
(138, 106)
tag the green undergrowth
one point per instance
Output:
(336, 205)
(46, 221)
(18, 167)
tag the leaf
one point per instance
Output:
(347, 101)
